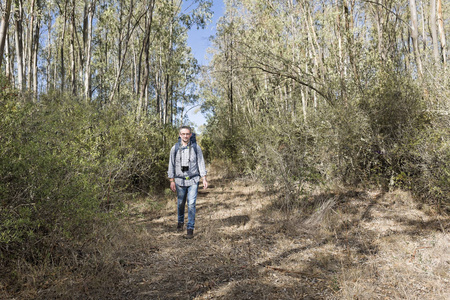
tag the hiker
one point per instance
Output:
(186, 167)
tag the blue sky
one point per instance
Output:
(198, 40)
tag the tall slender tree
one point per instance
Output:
(18, 16)
(4, 28)
(145, 51)
(29, 44)
(88, 48)
(433, 29)
(35, 49)
(441, 31)
(415, 35)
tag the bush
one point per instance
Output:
(65, 168)
(387, 135)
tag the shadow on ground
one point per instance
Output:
(244, 248)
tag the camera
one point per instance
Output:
(184, 168)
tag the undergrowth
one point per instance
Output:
(66, 167)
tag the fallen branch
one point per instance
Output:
(413, 256)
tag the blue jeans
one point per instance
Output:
(188, 193)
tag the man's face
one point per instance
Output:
(185, 135)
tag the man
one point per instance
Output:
(186, 167)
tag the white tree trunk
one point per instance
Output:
(18, 14)
(87, 68)
(73, 77)
(4, 29)
(8, 65)
(49, 54)
(415, 35)
(441, 31)
(433, 29)
(30, 37)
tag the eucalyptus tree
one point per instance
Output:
(35, 47)
(145, 52)
(90, 7)
(113, 51)
(415, 34)
(278, 44)
(18, 17)
(126, 28)
(30, 41)
(281, 65)
(441, 31)
(169, 57)
(6, 11)
(433, 30)
(320, 50)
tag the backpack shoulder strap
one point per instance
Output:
(174, 154)
(177, 146)
(194, 143)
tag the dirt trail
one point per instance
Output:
(347, 245)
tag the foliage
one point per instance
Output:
(328, 102)
(65, 168)
(98, 120)
(128, 53)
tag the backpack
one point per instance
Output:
(193, 141)
(193, 144)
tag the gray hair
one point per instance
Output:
(185, 127)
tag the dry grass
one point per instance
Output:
(412, 258)
(340, 245)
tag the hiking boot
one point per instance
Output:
(180, 227)
(190, 233)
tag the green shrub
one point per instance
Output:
(65, 168)
(386, 135)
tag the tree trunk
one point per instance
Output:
(406, 47)
(378, 16)
(123, 41)
(35, 59)
(61, 56)
(87, 69)
(168, 84)
(49, 53)
(30, 40)
(135, 69)
(434, 30)
(304, 104)
(230, 86)
(84, 30)
(160, 86)
(415, 35)
(158, 91)
(106, 56)
(35, 50)
(18, 16)
(4, 29)
(315, 46)
(342, 67)
(424, 41)
(441, 31)
(349, 23)
(55, 66)
(9, 65)
(72, 51)
(145, 50)
(61, 51)
(145, 108)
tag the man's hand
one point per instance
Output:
(173, 186)
(205, 184)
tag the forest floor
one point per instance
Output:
(347, 244)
